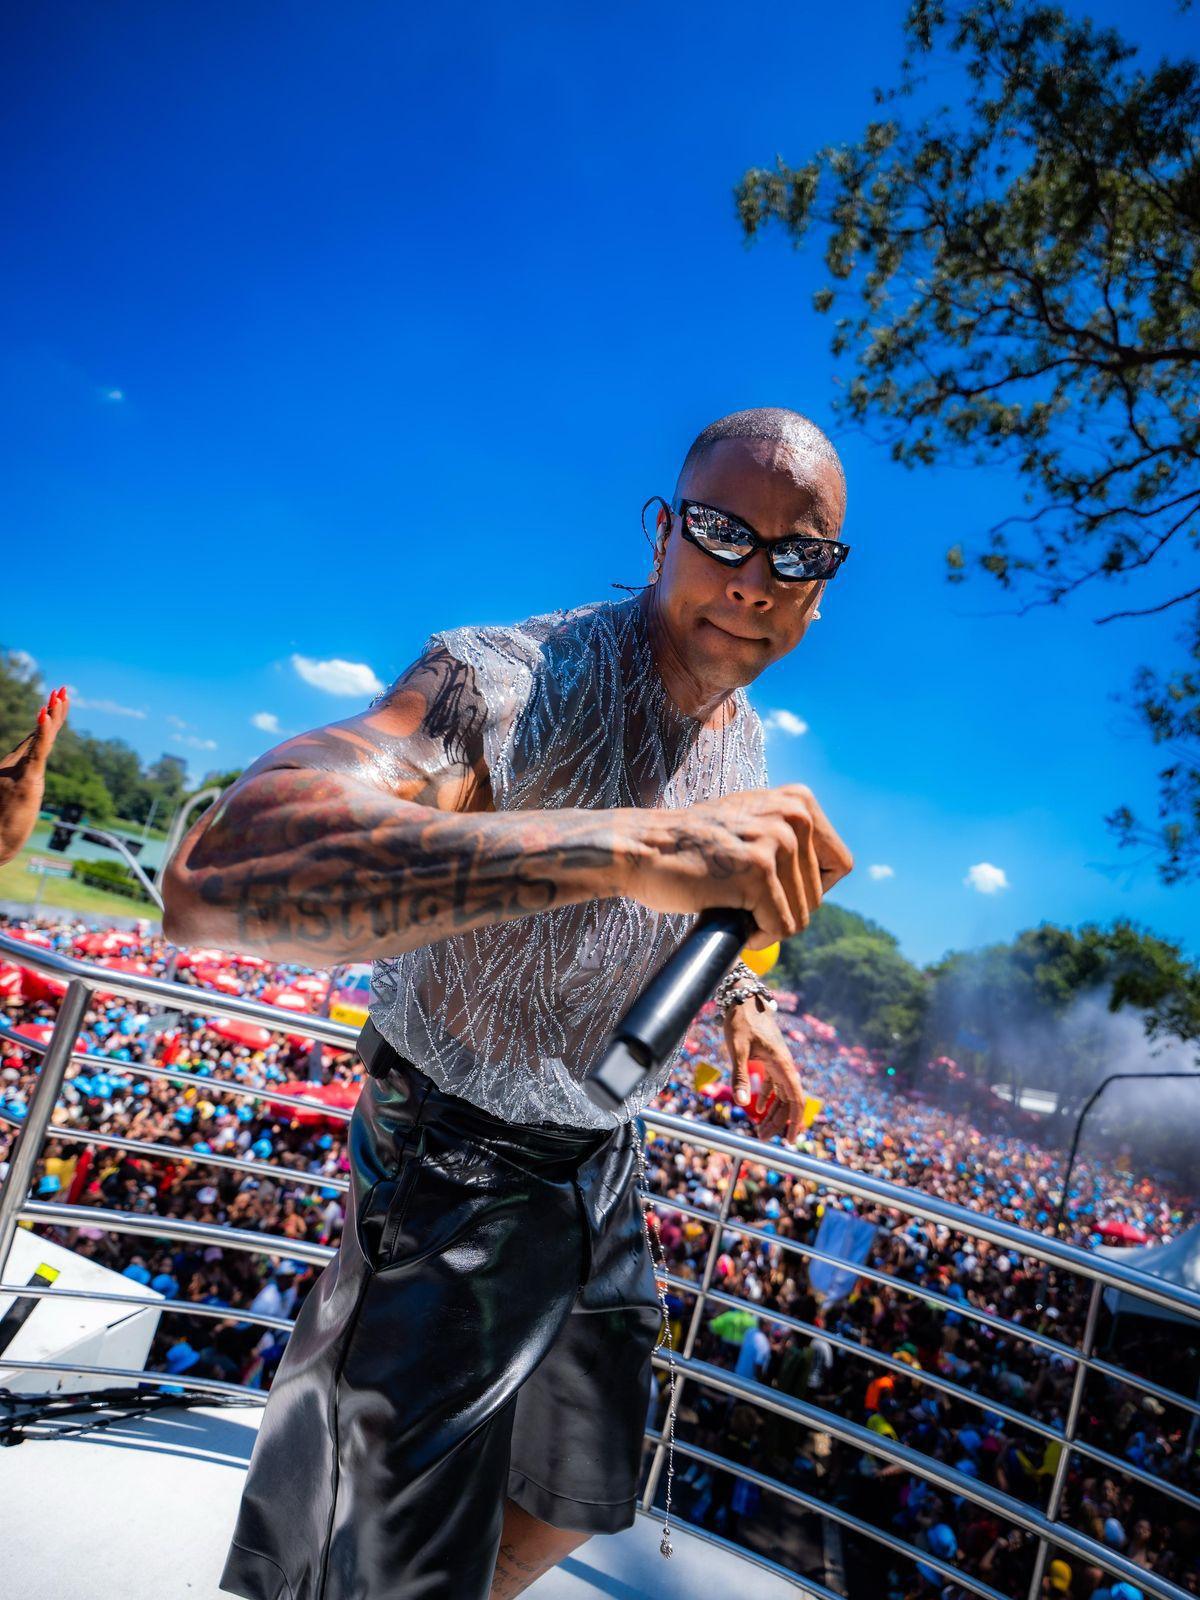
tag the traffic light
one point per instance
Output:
(61, 838)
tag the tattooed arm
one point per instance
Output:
(376, 835)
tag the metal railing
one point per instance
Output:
(58, 1055)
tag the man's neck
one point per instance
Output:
(685, 690)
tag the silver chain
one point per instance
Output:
(660, 1283)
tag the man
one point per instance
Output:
(516, 833)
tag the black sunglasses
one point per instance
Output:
(802, 558)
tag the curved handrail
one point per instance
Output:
(881, 1191)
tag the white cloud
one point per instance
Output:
(337, 676)
(986, 878)
(882, 872)
(785, 721)
(26, 665)
(177, 722)
(266, 720)
(194, 742)
(78, 703)
(114, 395)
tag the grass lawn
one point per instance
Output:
(66, 894)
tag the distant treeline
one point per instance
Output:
(1054, 1009)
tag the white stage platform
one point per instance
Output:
(142, 1510)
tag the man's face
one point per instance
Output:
(729, 623)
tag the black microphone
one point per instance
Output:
(660, 1016)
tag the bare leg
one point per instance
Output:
(528, 1547)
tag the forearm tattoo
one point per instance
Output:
(375, 835)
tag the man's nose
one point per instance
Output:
(747, 586)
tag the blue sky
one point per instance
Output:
(327, 327)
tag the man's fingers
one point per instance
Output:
(741, 1077)
(834, 859)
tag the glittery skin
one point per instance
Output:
(513, 1016)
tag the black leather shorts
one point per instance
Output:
(484, 1330)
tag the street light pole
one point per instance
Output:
(1113, 1077)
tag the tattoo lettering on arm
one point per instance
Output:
(378, 834)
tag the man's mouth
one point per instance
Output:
(729, 634)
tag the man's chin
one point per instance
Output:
(739, 655)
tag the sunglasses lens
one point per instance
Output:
(716, 534)
(806, 561)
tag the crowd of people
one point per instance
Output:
(865, 1125)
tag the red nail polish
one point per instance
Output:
(42, 715)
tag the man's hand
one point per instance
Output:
(772, 852)
(23, 777)
(751, 1031)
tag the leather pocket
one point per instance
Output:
(386, 1206)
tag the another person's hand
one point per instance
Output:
(23, 777)
(772, 852)
(751, 1032)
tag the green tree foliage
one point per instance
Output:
(849, 971)
(1018, 277)
(1007, 1013)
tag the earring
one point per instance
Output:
(816, 616)
(656, 569)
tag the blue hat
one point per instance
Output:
(184, 1114)
(245, 1112)
(262, 1148)
(202, 1144)
(48, 1184)
(165, 1284)
(329, 1192)
(1125, 1591)
(181, 1357)
(137, 1272)
(325, 1141)
(942, 1541)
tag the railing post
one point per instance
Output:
(1054, 1504)
(29, 1140)
(710, 1265)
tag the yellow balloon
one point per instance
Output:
(761, 961)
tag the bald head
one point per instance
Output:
(773, 425)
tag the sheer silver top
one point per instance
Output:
(512, 1016)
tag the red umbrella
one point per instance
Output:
(10, 982)
(1124, 1232)
(277, 994)
(41, 986)
(309, 983)
(223, 982)
(124, 964)
(30, 936)
(341, 1095)
(39, 1032)
(106, 943)
(236, 1031)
